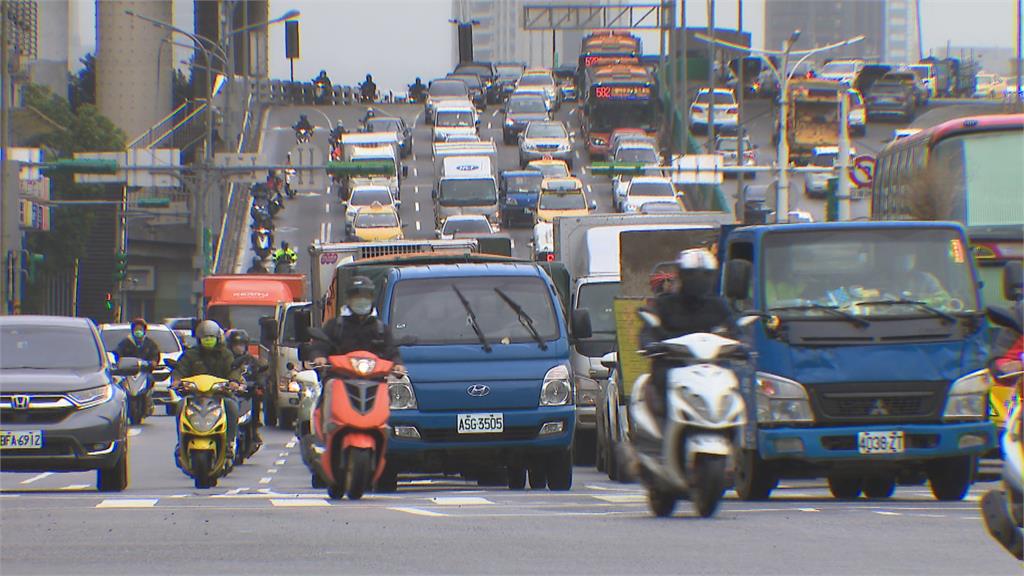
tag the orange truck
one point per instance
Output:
(240, 300)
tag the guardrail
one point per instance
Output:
(183, 123)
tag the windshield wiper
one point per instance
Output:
(471, 319)
(833, 310)
(946, 318)
(523, 318)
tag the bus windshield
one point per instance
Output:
(987, 168)
(610, 114)
(871, 272)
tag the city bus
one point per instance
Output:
(604, 44)
(969, 170)
(618, 96)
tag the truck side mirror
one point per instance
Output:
(581, 324)
(737, 279)
(609, 360)
(268, 329)
(303, 320)
(433, 194)
(1013, 282)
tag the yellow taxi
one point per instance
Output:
(550, 167)
(561, 197)
(376, 222)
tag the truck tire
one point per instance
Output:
(755, 479)
(844, 487)
(538, 477)
(879, 487)
(950, 478)
(559, 470)
(516, 477)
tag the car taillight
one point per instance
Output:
(698, 108)
(731, 111)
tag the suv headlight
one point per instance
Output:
(92, 396)
(780, 400)
(586, 391)
(557, 388)
(968, 397)
(402, 395)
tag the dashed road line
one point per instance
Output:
(271, 470)
(327, 208)
(620, 498)
(282, 454)
(128, 503)
(279, 462)
(417, 206)
(75, 487)
(417, 225)
(298, 502)
(265, 480)
(460, 500)
(419, 512)
(134, 431)
(290, 444)
(37, 477)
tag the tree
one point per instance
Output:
(83, 85)
(180, 88)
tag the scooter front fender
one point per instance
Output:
(202, 444)
(710, 444)
(358, 440)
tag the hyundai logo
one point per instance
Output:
(20, 402)
(478, 390)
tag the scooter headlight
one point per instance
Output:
(780, 400)
(363, 366)
(557, 388)
(968, 396)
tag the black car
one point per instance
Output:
(477, 90)
(392, 124)
(520, 110)
(60, 409)
(507, 74)
(891, 98)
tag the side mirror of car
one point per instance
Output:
(1013, 283)
(581, 327)
(405, 171)
(112, 358)
(127, 367)
(268, 329)
(737, 279)
(593, 205)
(610, 360)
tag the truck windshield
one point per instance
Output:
(597, 298)
(239, 316)
(164, 339)
(468, 192)
(47, 347)
(868, 273)
(428, 311)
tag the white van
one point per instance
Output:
(455, 117)
(466, 186)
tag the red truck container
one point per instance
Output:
(240, 300)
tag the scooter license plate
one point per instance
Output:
(880, 442)
(481, 423)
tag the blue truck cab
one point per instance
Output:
(870, 356)
(517, 194)
(490, 386)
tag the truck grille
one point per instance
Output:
(877, 402)
(510, 433)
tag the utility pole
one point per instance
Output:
(711, 77)
(843, 184)
(10, 261)
(1020, 57)
(739, 109)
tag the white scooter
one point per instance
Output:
(1003, 510)
(691, 455)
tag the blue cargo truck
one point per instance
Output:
(870, 362)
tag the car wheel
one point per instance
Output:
(879, 487)
(844, 488)
(115, 478)
(754, 479)
(559, 470)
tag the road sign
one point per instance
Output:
(697, 169)
(239, 160)
(862, 171)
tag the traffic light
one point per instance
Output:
(108, 304)
(120, 266)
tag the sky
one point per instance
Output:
(397, 40)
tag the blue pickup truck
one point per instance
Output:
(490, 394)
(517, 196)
(871, 355)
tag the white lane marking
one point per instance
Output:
(290, 444)
(327, 208)
(808, 510)
(265, 480)
(9, 495)
(279, 462)
(328, 237)
(282, 454)
(417, 225)
(178, 496)
(414, 171)
(419, 512)
(298, 502)
(459, 500)
(134, 431)
(588, 189)
(620, 498)
(128, 503)
(416, 189)
(37, 477)
(234, 491)
(512, 243)
(75, 487)
(417, 206)
(608, 488)
(271, 470)
(323, 226)
(884, 513)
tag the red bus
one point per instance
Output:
(970, 170)
(618, 96)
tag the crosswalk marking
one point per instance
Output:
(37, 477)
(128, 503)
(620, 498)
(418, 512)
(298, 502)
(460, 500)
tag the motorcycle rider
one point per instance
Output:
(238, 343)
(356, 328)
(337, 132)
(303, 124)
(691, 307)
(417, 90)
(285, 253)
(322, 79)
(368, 89)
(211, 356)
(137, 345)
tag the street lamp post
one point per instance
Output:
(783, 78)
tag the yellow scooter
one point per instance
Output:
(202, 429)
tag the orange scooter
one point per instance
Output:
(350, 423)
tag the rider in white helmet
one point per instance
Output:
(693, 306)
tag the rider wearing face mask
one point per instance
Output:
(357, 328)
(137, 345)
(692, 307)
